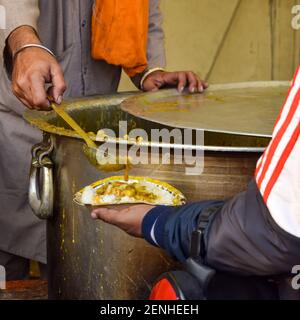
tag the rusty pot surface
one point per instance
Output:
(92, 260)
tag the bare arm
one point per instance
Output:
(33, 67)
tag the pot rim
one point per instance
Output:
(42, 119)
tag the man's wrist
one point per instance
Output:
(20, 37)
(32, 45)
(147, 73)
(140, 78)
(153, 225)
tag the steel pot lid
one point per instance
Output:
(240, 108)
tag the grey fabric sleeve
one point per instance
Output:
(18, 13)
(156, 46)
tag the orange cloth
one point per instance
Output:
(120, 33)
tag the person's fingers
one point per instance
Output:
(193, 82)
(205, 84)
(182, 81)
(50, 94)
(20, 93)
(33, 68)
(179, 79)
(24, 101)
(107, 215)
(38, 95)
(100, 213)
(20, 87)
(128, 219)
(200, 85)
(30, 90)
(58, 82)
(170, 78)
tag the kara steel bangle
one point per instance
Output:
(32, 45)
(147, 73)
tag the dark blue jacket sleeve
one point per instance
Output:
(170, 228)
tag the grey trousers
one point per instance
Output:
(18, 268)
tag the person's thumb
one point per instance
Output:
(58, 83)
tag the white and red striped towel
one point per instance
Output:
(278, 170)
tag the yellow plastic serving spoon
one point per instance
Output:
(74, 125)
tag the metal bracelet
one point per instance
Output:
(32, 45)
(147, 73)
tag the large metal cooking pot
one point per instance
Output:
(90, 259)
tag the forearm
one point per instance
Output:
(18, 38)
(170, 228)
(22, 36)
